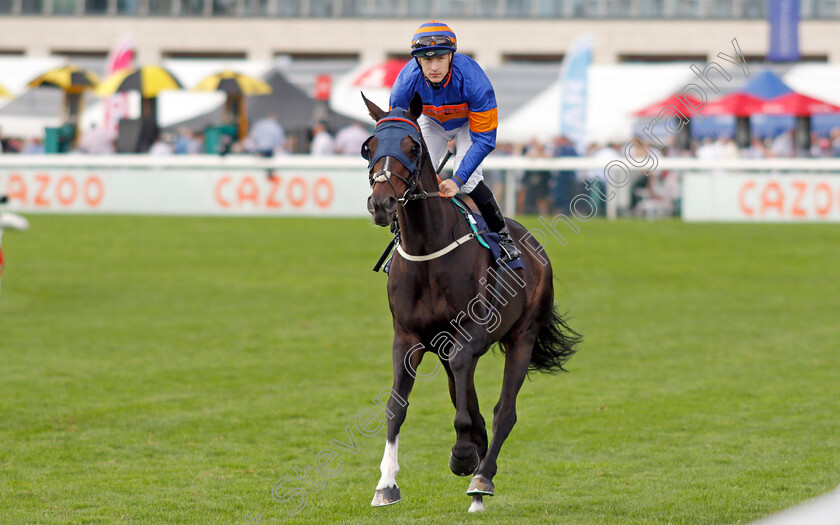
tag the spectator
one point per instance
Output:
(267, 136)
(349, 140)
(783, 145)
(708, 150)
(598, 184)
(96, 141)
(536, 191)
(565, 181)
(727, 148)
(835, 142)
(33, 146)
(162, 146)
(756, 150)
(322, 142)
(186, 143)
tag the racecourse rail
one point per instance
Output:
(795, 190)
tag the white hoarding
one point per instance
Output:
(187, 191)
(792, 197)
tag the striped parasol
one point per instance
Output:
(234, 83)
(237, 86)
(69, 78)
(74, 81)
(148, 80)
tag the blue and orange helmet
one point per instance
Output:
(433, 38)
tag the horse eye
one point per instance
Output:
(415, 150)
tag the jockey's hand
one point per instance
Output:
(448, 188)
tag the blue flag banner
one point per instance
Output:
(573, 78)
(783, 16)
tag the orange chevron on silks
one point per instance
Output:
(484, 120)
(447, 113)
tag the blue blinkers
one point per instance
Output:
(389, 132)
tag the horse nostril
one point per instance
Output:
(390, 205)
(370, 205)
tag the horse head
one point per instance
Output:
(395, 155)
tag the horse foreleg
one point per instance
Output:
(387, 492)
(504, 415)
(478, 431)
(464, 458)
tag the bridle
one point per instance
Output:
(394, 152)
(384, 175)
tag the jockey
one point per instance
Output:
(458, 103)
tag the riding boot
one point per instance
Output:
(489, 208)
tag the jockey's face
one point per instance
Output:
(435, 68)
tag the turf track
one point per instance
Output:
(172, 370)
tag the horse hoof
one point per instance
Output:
(463, 467)
(386, 496)
(480, 485)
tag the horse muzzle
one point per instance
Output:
(382, 210)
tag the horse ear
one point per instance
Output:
(375, 112)
(415, 107)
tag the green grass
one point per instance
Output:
(172, 370)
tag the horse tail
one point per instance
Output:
(554, 345)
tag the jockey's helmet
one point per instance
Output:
(432, 39)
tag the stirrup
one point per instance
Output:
(509, 251)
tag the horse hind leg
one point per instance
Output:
(463, 461)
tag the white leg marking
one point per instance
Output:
(477, 504)
(389, 466)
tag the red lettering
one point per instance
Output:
(797, 210)
(822, 211)
(219, 199)
(93, 183)
(272, 201)
(323, 201)
(17, 188)
(296, 200)
(66, 181)
(741, 202)
(44, 181)
(248, 191)
(772, 197)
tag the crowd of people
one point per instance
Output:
(538, 192)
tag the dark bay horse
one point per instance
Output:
(445, 298)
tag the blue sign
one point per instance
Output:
(573, 77)
(783, 16)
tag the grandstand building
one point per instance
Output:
(493, 31)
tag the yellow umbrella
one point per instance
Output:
(4, 92)
(69, 78)
(148, 80)
(73, 81)
(237, 86)
(233, 83)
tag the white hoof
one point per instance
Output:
(477, 504)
